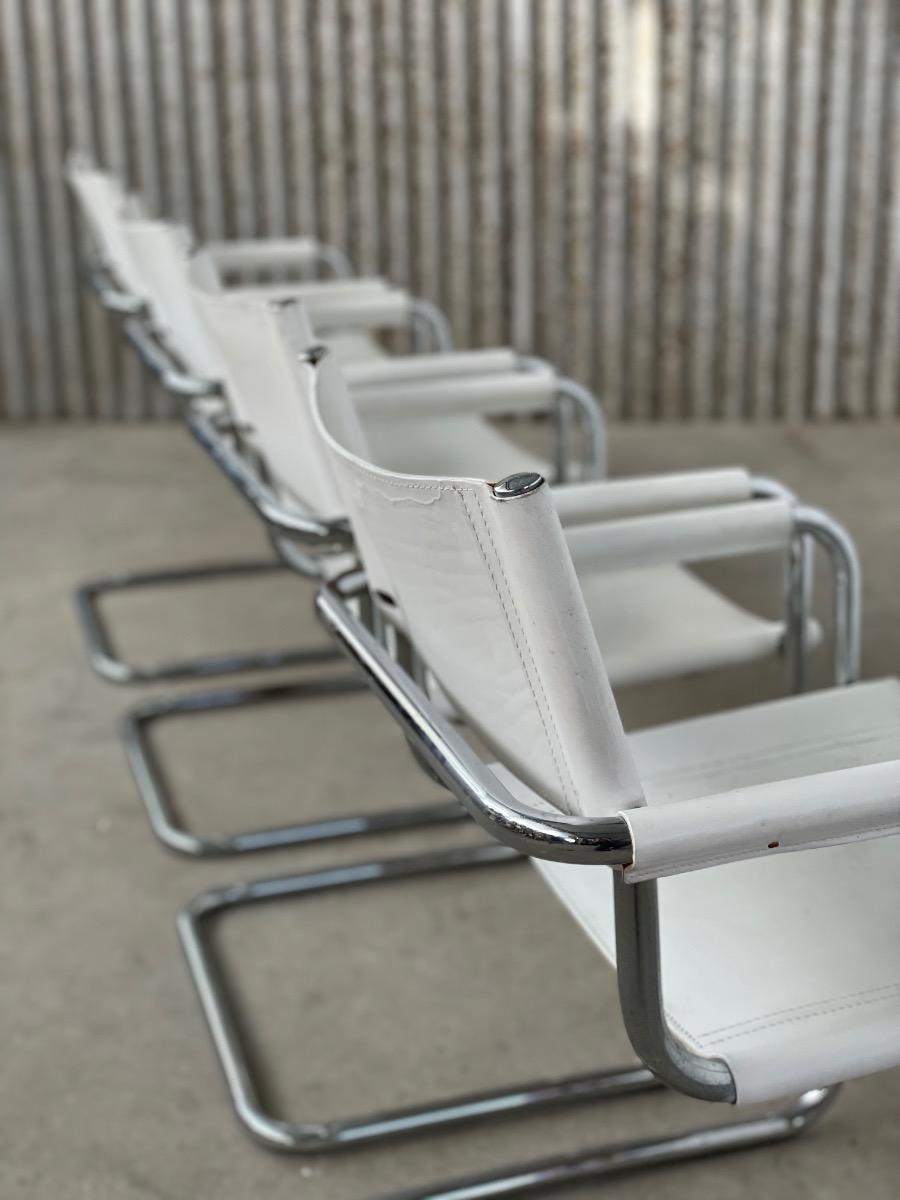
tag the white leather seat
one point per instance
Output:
(772, 830)
(788, 967)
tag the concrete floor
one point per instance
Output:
(109, 1089)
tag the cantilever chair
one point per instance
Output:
(134, 272)
(630, 538)
(740, 872)
(259, 433)
(139, 271)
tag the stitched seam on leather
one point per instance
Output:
(549, 710)
(786, 750)
(838, 839)
(509, 625)
(821, 1012)
(798, 1008)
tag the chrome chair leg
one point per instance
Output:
(298, 1137)
(623, 1158)
(104, 656)
(162, 808)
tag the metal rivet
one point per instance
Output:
(313, 355)
(513, 486)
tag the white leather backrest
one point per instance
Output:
(489, 595)
(103, 203)
(259, 343)
(161, 252)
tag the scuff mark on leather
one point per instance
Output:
(424, 500)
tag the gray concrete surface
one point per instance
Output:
(108, 1088)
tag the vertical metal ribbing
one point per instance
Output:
(580, 261)
(738, 194)
(205, 135)
(862, 246)
(456, 164)
(799, 207)
(128, 398)
(773, 80)
(885, 344)
(488, 202)
(548, 230)
(267, 129)
(301, 207)
(839, 95)
(76, 107)
(518, 28)
(427, 234)
(611, 301)
(670, 321)
(642, 115)
(704, 206)
(691, 204)
(13, 367)
(29, 248)
(393, 133)
(329, 164)
(361, 136)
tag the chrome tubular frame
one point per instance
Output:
(162, 363)
(430, 328)
(109, 665)
(298, 538)
(112, 297)
(798, 588)
(157, 797)
(665, 1059)
(102, 652)
(847, 587)
(571, 395)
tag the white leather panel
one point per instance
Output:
(788, 967)
(500, 392)
(661, 622)
(161, 253)
(689, 536)
(453, 363)
(103, 203)
(456, 444)
(609, 499)
(258, 345)
(464, 569)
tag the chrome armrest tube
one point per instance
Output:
(560, 838)
(430, 328)
(847, 587)
(573, 395)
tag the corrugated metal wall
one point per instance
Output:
(693, 205)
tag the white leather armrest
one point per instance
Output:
(688, 536)
(497, 393)
(772, 818)
(260, 254)
(340, 304)
(607, 500)
(339, 289)
(454, 363)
